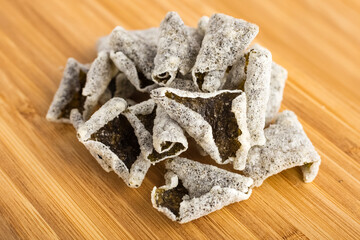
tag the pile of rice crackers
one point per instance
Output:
(148, 91)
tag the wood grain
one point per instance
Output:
(50, 186)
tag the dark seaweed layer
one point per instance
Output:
(119, 136)
(77, 100)
(217, 112)
(171, 198)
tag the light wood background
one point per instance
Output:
(51, 188)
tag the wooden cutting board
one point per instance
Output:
(51, 187)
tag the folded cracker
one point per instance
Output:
(277, 84)
(167, 134)
(252, 73)
(172, 51)
(225, 39)
(178, 46)
(69, 94)
(286, 146)
(217, 121)
(119, 86)
(194, 190)
(140, 51)
(128, 67)
(101, 71)
(112, 141)
(149, 122)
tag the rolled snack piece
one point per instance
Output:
(143, 117)
(136, 48)
(112, 141)
(101, 71)
(225, 40)
(167, 134)
(178, 47)
(277, 84)
(254, 72)
(128, 67)
(119, 86)
(173, 50)
(194, 190)
(286, 146)
(217, 121)
(69, 94)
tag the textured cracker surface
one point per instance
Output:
(286, 146)
(225, 39)
(197, 127)
(209, 188)
(277, 85)
(69, 85)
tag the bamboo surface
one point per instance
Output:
(51, 187)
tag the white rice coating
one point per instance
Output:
(225, 39)
(257, 87)
(136, 48)
(146, 138)
(178, 46)
(277, 85)
(196, 126)
(286, 146)
(105, 114)
(127, 66)
(102, 153)
(202, 24)
(69, 85)
(167, 130)
(101, 71)
(123, 89)
(143, 135)
(172, 51)
(209, 188)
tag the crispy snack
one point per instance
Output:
(167, 134)
(119, 86)
(252, 73)
(225, 39)
(101, 71)
(148, 122)
(277, 84)
(128, 67)
(194, 190)
(69, 94)
(217, 121)
(173, 50)
(136, 48)
(286, 146)
(178, 46)
(111, 139)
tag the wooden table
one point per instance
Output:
(51, 187)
